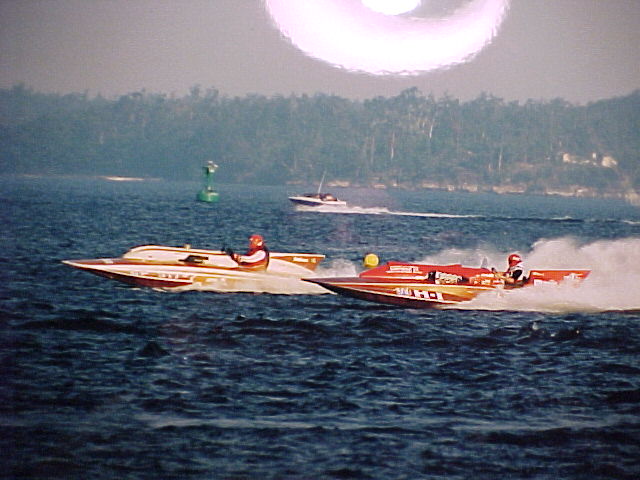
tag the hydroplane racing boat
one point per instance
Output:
(424, 286)
(184, 268)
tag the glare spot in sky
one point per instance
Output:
(392, 7)
(357, 35)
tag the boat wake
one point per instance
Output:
(354, 210)
(614, 282)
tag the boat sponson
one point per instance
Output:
(401, 292)
(388, 299)
(100, 267)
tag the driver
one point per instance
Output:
(515, 272)
(257, 256)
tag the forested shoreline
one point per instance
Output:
(411, 140)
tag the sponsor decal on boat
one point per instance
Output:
(403, 269)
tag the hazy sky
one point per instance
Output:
(579, 50)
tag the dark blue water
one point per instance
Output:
(105, 381)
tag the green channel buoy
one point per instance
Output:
(208, 194)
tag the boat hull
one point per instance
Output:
(402, 294)
(183, 268)
(313, 201)
(133, 273)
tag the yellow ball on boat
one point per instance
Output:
(370, 260)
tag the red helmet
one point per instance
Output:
(514, 258)
(256, 240)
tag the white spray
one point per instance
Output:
(614, 282)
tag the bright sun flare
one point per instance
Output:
(392, 7)
(372, 36)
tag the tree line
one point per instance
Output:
(408, 140)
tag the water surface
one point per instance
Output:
(101, 380)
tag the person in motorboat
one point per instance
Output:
(514, 275)
(257, 256)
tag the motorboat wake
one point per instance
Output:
(357, 210)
